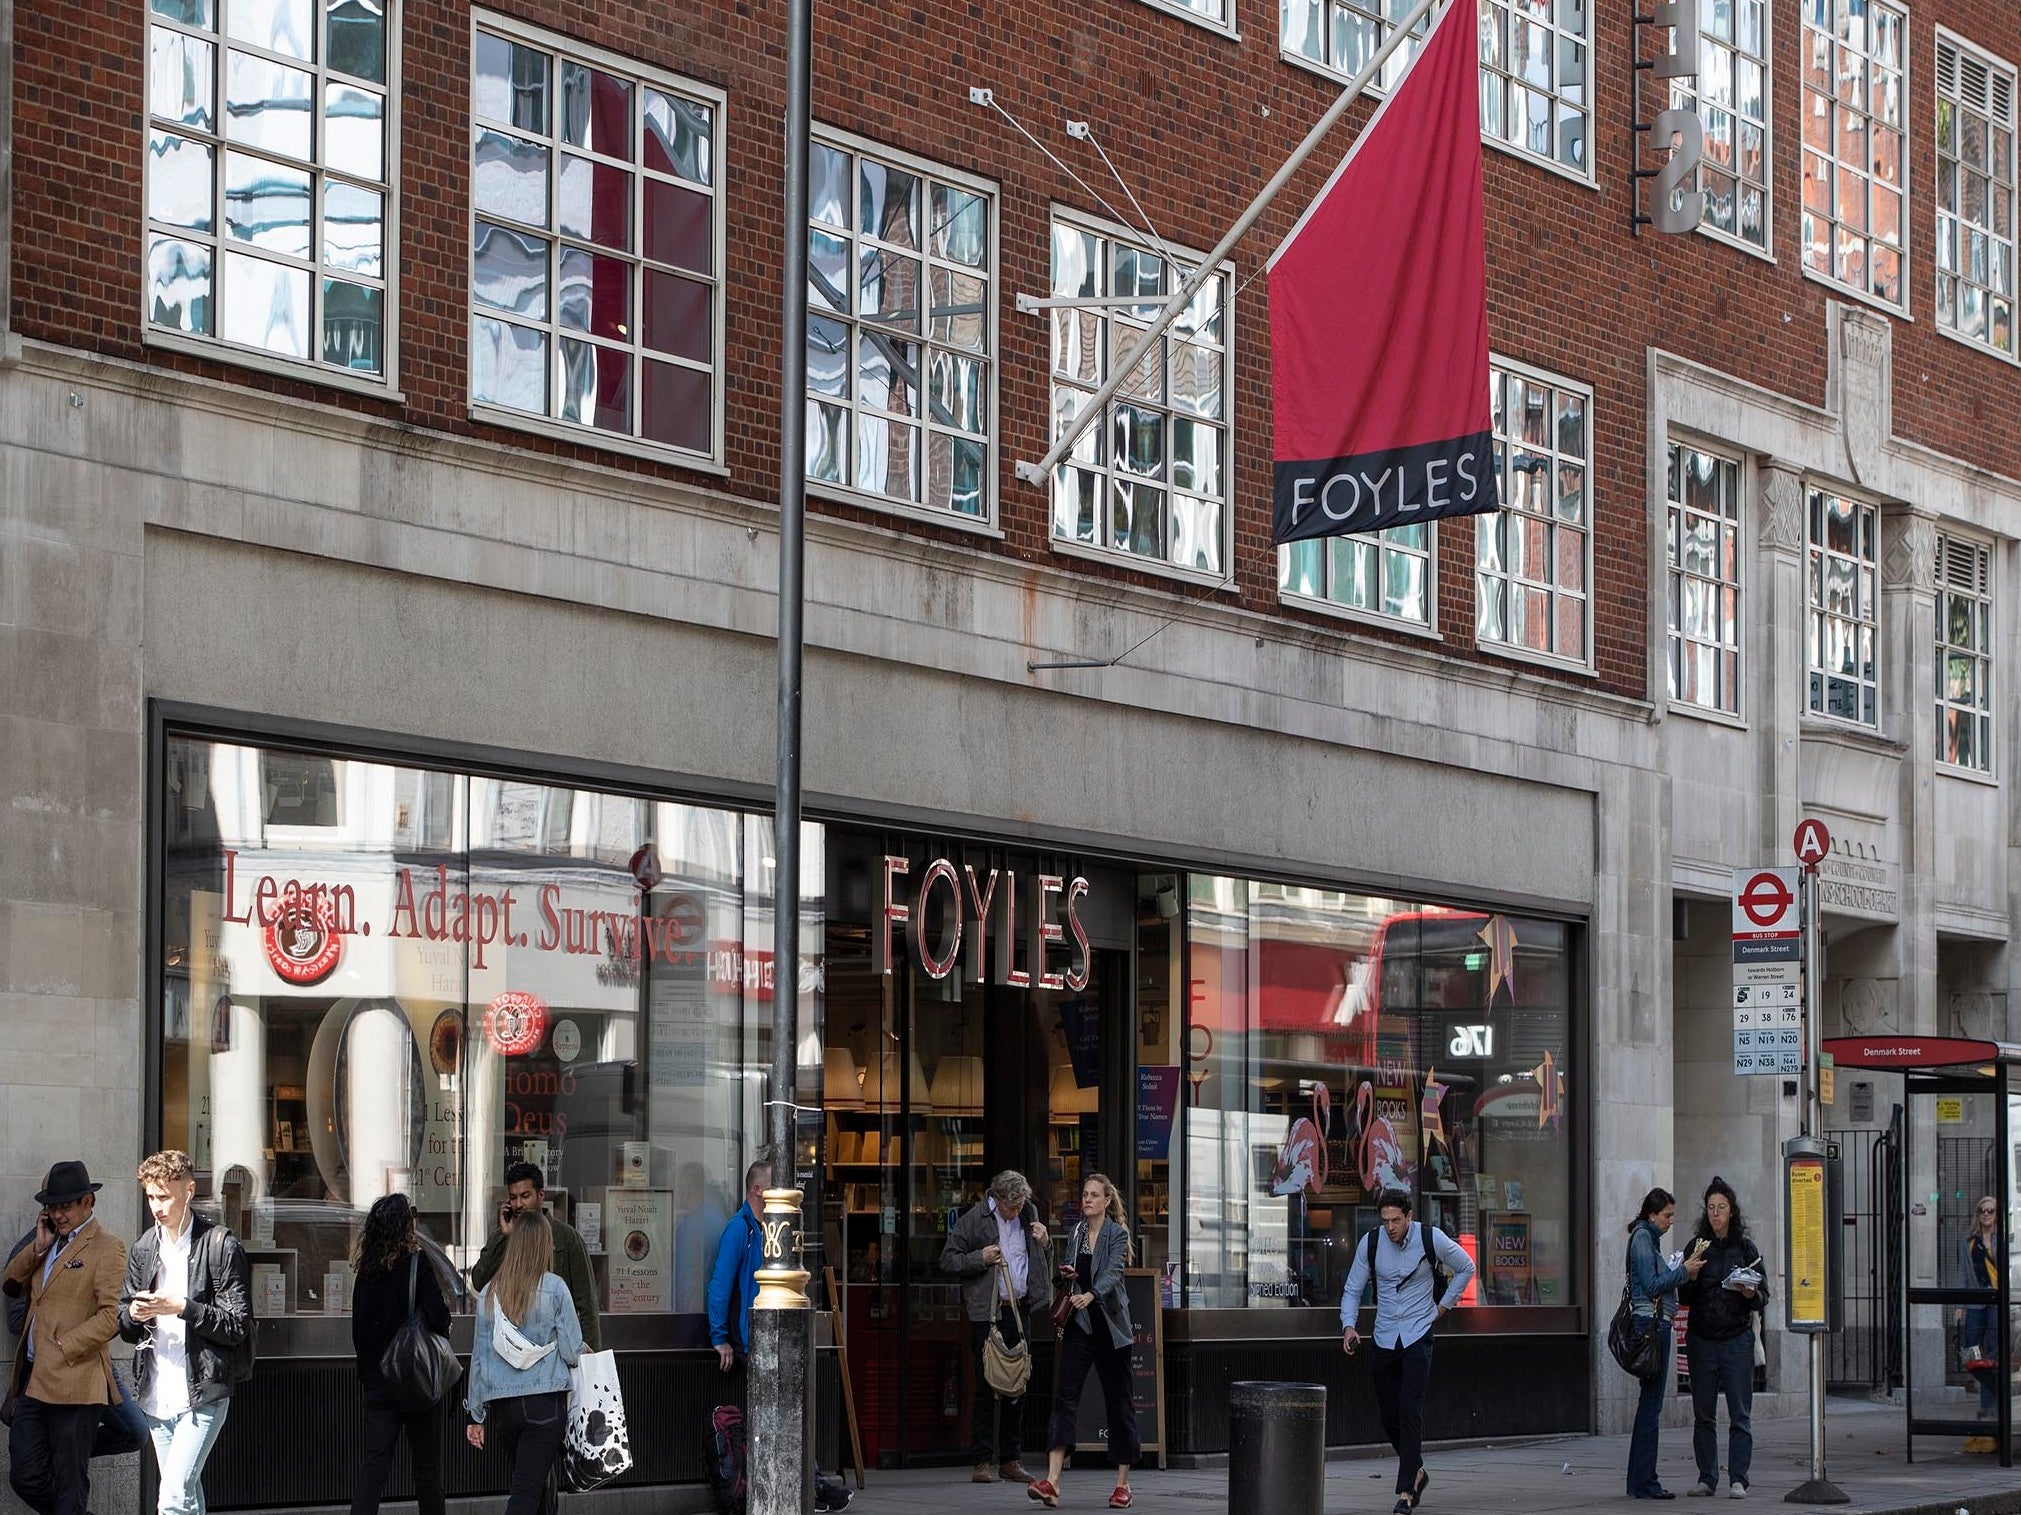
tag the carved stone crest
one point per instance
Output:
(1972, 1010)
(1865, 415)
(1863, 1007)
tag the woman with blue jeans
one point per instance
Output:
(527, 1338)
(1979, 1333)
(1652, 1298)
(1719, 1341)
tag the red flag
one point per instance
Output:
(1379, 316)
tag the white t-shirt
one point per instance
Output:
(168, 1394)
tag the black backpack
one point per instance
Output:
(1441, 1279)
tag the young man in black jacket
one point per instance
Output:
(187, 1305)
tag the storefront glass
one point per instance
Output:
(1339, 1045)
(380, 978)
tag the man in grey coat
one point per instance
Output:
(998, 1251)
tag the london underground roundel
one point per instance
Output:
(515, 1022)
(301, 941)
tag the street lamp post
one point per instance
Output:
(782, 1325)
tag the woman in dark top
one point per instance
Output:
(1097, 1335)
(1719, 1341)
(378, 1310)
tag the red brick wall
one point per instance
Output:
(1183, 109)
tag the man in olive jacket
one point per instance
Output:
(1001, 1235)
(62, 1370)
(524, 1186)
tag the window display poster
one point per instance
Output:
(1509, 1259)
(1157, 1104)
(639, 1234)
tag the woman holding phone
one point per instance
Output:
(1652, 1299)
(1097, 1335)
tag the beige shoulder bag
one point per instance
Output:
(1006, 1369)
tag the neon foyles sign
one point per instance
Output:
(970, 911)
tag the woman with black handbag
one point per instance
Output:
(391, 1267)
(526, 1339)
(1652, 1302)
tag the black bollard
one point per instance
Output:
(1277, 1447)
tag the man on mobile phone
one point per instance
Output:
(70, 1276)
(187, 1304)
(1403, 1258)
(524, 1190)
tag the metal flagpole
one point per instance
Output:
(779, 1374)
(1098, 402)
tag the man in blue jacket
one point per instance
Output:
(733, 1282)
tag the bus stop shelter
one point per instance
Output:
(1960, 1125)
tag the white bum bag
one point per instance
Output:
(509, 1344)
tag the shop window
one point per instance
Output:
(1845, 610)
(901, 332)
(1855, 128)
(1148, 483)
(269, 183)
(448, 974)
(596, 252)
(1339, 1045)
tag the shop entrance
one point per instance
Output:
(932, 1085)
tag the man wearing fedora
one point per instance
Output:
(62, 1374)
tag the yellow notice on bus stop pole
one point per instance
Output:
(1807, 1244)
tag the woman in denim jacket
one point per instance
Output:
(1652, 1297)
(527, 1338)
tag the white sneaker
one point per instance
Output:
(1738, 1491)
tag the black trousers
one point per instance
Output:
(529, 1428)
(1079, 1352)
(49, 1447)
(384, 1424)
(992, 1412)
(1401, 1374)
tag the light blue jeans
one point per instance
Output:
(181, 1445)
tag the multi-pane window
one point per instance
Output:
(1855, 104)
(1150, 479)
(1704, 522)
(594, 283)
(1531, 556)
(900, 340)
(1342, 35)
(1536, 78)
(1388, 573)
(1213, 12)
(1730, 97)
(269, 156)
(1975, 195)
(1844, 609)
(1964, 654)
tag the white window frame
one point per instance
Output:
(1225, 27)
(585, 434)
(1806, 96)
(1965, 570)
(1866, 588)
(1384, 547)
(1189, 259)
(1954, 54)
(987, 523)
(1727, 535)
(1398, 60)
(1500, 370)
(1690, 94)
(386, 384)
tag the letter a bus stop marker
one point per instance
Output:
(1812, 842)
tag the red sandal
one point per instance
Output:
(1045, 1491)
(1120, 1500)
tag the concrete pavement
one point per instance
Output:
(1558, 1476)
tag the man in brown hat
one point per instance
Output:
(71, 1276)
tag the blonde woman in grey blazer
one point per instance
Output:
(1098, 1335)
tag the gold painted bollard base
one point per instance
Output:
(781, 1284)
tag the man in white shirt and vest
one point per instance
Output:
(1404, 1259)
(187, 1306)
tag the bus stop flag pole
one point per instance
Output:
(1807, 1284)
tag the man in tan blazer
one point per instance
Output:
(71, 1276)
